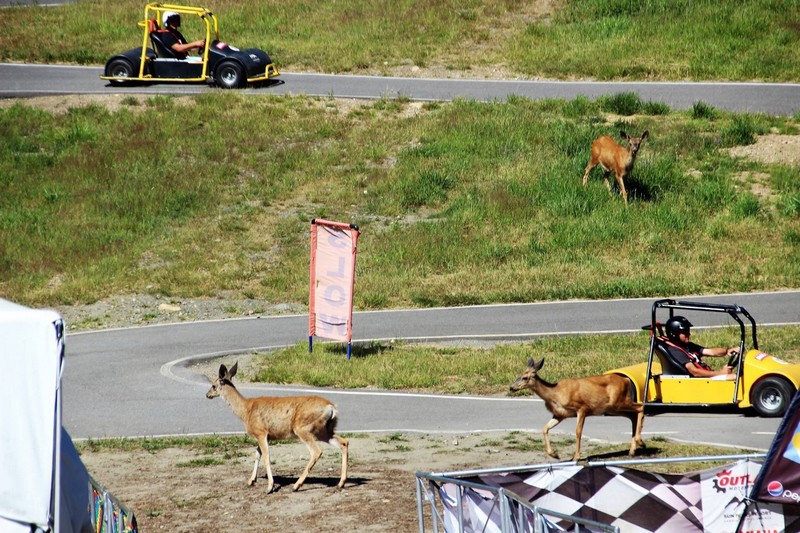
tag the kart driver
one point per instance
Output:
(690, 354)
(175, 39)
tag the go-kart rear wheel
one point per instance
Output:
(771, 396)
(229, 75)
(119, 68)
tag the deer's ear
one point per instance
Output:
(623, 134)
(531, 362)
(645, 134)
(539, 365)
(223, 370)
(232, 371)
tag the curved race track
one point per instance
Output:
(135, 382)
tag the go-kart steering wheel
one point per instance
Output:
(733, 360)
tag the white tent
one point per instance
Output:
(31, 359)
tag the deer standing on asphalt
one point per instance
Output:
(614, 158)
(606, 394)
(312, 419)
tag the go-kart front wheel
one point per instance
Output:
(119, 68)
(771, 396)
(229, 75)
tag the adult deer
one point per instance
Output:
(614, 158)
(312, 419)
(606, 394)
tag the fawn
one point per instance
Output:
(614, 158)
(606, 394)
(312, 419)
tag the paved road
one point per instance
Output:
(19, 80)
(138, 381)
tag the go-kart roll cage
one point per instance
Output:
(156, 11)
(734, 311)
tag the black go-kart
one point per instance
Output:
(218, 62)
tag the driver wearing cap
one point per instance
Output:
(174, 39)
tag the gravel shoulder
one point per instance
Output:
(186, 490)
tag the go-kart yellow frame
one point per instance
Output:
(156, 11)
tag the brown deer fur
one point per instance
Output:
(312, 419)
(614, 158)
(606, 394)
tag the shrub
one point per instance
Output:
(625, 104)
(740, 132)
(701, 110)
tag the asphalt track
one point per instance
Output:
(139, 381)
(22, 80)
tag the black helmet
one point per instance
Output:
(171, 17)
(677, 325)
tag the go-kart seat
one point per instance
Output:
(161, 49)
(669, 366)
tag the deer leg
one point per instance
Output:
(253, 476)
(547, 427)
(315, 451)
(622, 188)
(265, 449)
(639, 424)
(343, 445)
(589, 168)
(608, 183)
(578, 435)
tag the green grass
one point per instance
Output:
(459, 203)
(601, 39)
(484, 371)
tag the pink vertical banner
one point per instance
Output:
(333, 270)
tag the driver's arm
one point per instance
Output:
(718, 352)
(703, 373)
(188, 47)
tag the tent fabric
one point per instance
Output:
(75, 517)
(30, 363)
(36, 452)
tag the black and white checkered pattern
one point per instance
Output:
(634, 500)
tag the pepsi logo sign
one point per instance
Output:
(775, 488)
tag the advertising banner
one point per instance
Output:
(333, 267)
(724, 493)
(779, 480)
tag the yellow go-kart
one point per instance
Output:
(763, 382)
(218, 62)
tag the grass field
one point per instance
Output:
(601, 39)
(459, 203)
(488, 370)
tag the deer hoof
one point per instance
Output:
(251, 482)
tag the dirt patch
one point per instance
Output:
(181, 489)
(60, 104)
(771, 150)
(146, 309)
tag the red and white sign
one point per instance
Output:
(333, 269)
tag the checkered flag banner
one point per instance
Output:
(636, 501)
